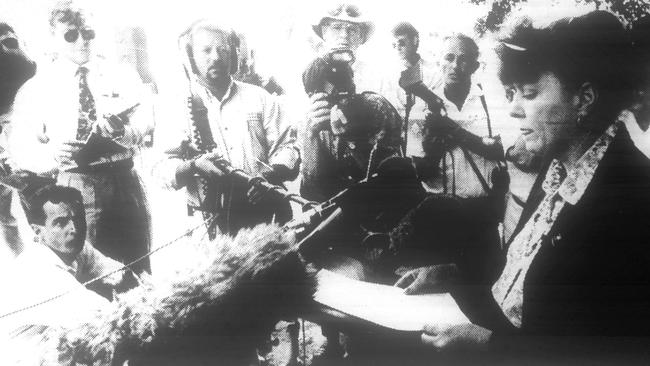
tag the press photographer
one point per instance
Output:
(461, 151)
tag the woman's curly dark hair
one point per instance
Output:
(591, 48)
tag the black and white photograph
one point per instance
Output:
(324, 182)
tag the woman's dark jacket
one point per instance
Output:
(587, 292)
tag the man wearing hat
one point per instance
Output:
(342, 30)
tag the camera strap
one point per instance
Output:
(472, 163)
(469, 157)
(487, 114)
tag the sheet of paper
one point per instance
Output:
(385, 305)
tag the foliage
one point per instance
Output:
(628, 10)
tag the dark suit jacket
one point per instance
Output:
(587, 292)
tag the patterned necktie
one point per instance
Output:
(87, 112)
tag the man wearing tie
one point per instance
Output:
(68, 102)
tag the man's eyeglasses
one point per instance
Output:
(72, 35)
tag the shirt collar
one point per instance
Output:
(475, 91)
(67, 67)
(230, 91)
(43, 254)
(575, 185)
(629, 119)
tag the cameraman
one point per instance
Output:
(342, 30)
(239, 124)
(461, 171)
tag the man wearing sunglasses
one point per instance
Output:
(406, 41)
(77, 98)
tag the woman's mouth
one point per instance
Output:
(526, 131)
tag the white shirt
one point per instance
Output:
(640, 138)
(248, 127)
(46, 109)
(430, 76)
(38, 274)
(461, 180)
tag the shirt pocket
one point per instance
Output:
(255, 123)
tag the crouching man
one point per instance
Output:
(57, 264)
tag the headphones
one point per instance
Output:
(185, 44)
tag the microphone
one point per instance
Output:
(441, 125)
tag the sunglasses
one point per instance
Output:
(399, 43)
(350, 10)
(72, 35)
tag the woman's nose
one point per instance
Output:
(516, 109)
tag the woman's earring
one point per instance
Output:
(580, 119)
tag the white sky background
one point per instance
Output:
(279, 30)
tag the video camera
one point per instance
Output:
(331, 74)
(440, 133)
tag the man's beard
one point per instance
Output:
(213, 83)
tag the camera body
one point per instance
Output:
(331, 74)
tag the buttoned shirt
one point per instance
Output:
(640, 138)
(430, 77)
(249, 129)
(460, 178)
(46, 110)
(38, 274)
